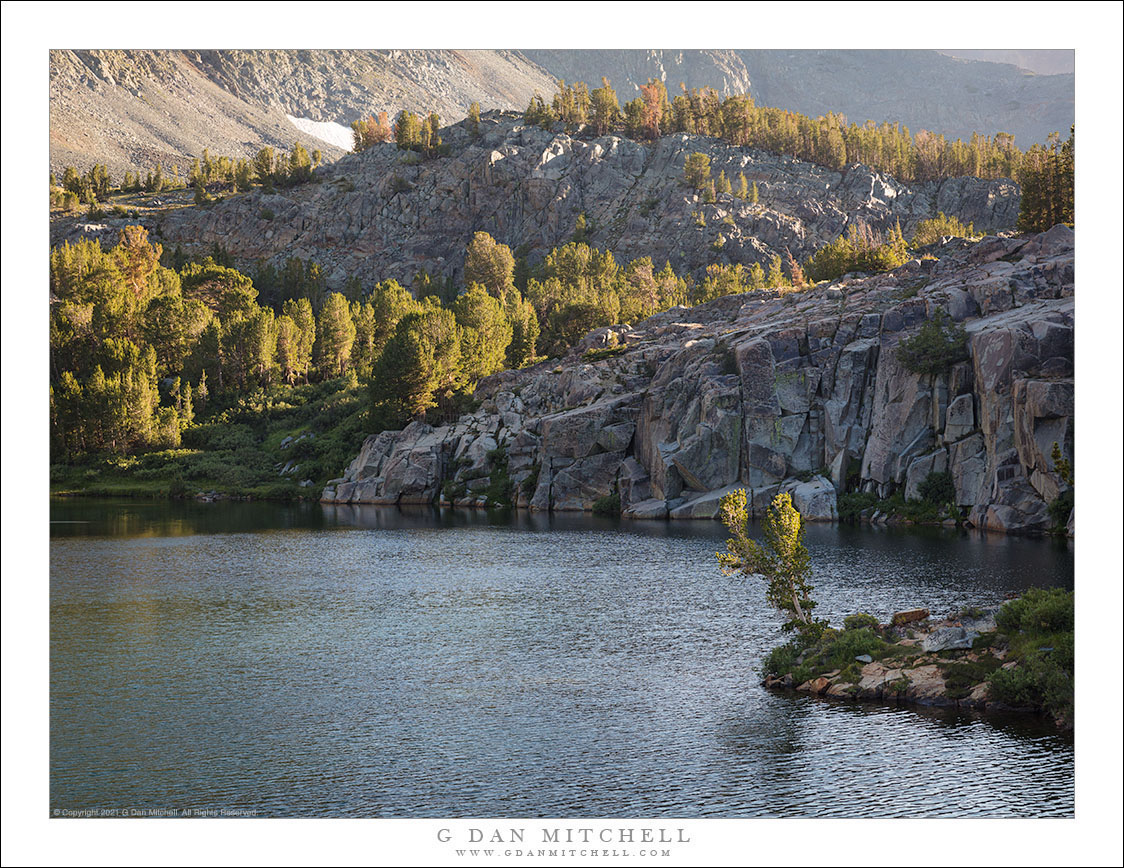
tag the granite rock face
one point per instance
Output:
(383, 214)
(779, 392)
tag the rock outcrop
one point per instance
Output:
(383, 214)
(801, 392)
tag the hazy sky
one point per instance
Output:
(1044, 61)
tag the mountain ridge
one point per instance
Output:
(130, 109)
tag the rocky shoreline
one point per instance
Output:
(943, 663)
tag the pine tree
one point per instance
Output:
(432, 134)
(775, 277)
(408, 131)
(490, 264)
(288, 337)
(202, 197)
(335, 335)
(795, 273)
(484, 333)
(300, 164)
(634, 118)
(606, 109)
(243, 175)
(264, 167)
(300, 312)
(656, 107)
(782, 560)
(696, 170)
(524, 334)
(419, 366)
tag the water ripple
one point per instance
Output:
(358, 665)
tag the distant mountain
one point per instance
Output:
(921, 89)
(131, 109)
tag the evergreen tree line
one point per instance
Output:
(410, 132)
(137, 348)
(1046, 178)
(268, 169)
(829, 140)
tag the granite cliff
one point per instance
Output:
(801, 392)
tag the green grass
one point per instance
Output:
(835, 649)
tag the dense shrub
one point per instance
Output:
(861, 249)
(833, 649)
(933, 230)
(937, 488)
(1043, 679)
(610, 504)
(851, 504)
(1039, 610)
(859, 620)
(1060, 508)
(1039, 628)
(782, 659)
(939, 345)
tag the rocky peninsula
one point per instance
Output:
(1018, 657)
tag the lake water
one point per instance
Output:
(369, 662)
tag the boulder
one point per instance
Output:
(815, 500)
(960, 419)
(926, 686)
(948, 639)
(580, 484)
(910, 616)
(703, 506)
(815, 685)
(650, 509)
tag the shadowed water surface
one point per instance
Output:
(358, 661)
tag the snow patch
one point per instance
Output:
(326, 131)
